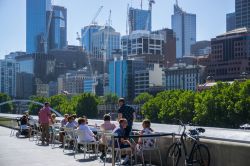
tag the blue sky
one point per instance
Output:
(211, 17)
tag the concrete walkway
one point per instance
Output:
(22, 152)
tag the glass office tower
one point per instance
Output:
(36, 24)
(86, 34)
(242, 13)
(184, 26)
(230, 21)
(58, 28)
(139, 20)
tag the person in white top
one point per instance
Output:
(86, 133)
(70, 123)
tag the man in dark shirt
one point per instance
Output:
(128, 113)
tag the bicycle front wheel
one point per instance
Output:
(200, 156)
(173, 154)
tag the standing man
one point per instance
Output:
(128, 113)
(44, 118)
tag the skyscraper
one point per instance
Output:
(8, 69)
(36, 24)
(231, 21)
(139, 20)
(105, 40)
(86, 34)
(58, 28)
(184, 26)
(242, 13)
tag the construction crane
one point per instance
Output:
(88, 27)
(80, 38)
(151, 2)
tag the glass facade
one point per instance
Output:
(231, 21)
(105, 39)
(58, 28)
(242, 13)
(88, 85)
(86, 34)
(8, 71)
(121, 77)
(36, 24)
(139, 20)
(184, 26)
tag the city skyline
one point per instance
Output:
(80, 15)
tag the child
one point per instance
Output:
(147, 141)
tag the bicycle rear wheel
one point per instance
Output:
(200, 156)
(174, 154)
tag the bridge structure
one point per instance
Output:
(30, 101)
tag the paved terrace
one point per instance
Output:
(22, 152)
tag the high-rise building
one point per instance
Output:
(58, 28)
(8, 72)
(121, 77)
(142, 42)
(183, 76)
(105, 41)
(230, 55)
(86, 34)
(169, 46)
(184, 26)
(147, 78)
(139, 20)
(37, 13)
(242, 13)
(231, 21)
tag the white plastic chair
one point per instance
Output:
(68, 137)
(13, 125)
(118, 151)
(54, 135)
(85, 144)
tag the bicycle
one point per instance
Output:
(199, 154)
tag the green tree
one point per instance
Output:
(110, 98)
(143, 98)
(6, 108)
(59, 103)
(85, 104)
(34, 108)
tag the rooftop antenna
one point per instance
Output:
(176, 2)
(141, 4)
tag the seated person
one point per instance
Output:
(106, 126)
(74, 119)
(70, 123)
(24, 122)
(147, 142)
(123, 141)
(52, 120)
(87, 135)
(65, 120)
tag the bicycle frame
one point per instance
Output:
(188, 159)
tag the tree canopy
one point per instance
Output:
(224, 105)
